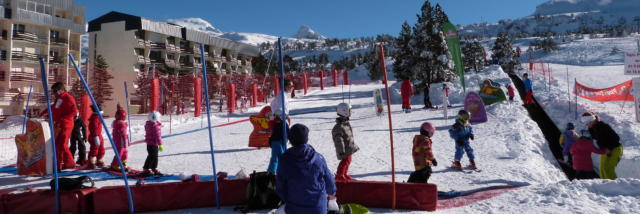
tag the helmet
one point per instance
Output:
(570, 126)
(463, 115)
(154, 116)
(428, 128)
(344, 109)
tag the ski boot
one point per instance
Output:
(100, 163)
(456, 165)
(472, 165)
(146, 173)
(91, 164)
(156, 173)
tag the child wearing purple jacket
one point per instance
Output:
(153, 133)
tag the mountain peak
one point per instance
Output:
(304, 32)
(552, 7)
(197, 24)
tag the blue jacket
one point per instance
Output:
(461, 133)
(570, 137)
(303, 180)
(527, 85)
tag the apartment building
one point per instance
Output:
(132, 44)
(33, 29)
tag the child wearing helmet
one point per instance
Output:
(461, 132)
(343, 140)
(423, 157)
(567, 139)
(153, 133)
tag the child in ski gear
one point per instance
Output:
(153, 133)
(461, 132)
(528, 89)
(78, 137)
(511, 92)
(406, 91)
(581, 151)
(63, 112)
(277, 141)
(343, 140)
(120, 138)
(568, 137)
(445, 95)
(605, 138)
(304, 182)
(423, 157)
(96, 142)
(426, 99)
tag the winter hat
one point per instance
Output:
(121, 114)
(588, 117)
(463, 115)
(93, 108)
(298, 134)
(570, 126)
(344, 109)
(154, 116)
(427, 129)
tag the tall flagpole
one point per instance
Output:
(393, 164)
(26, 111)
(45, 85)
(126, 95)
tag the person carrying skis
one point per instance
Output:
(605, 138)
(304, 182)
(120, 138)
(96, 142)
(461, 132)
(78, 137)
(528, 89)
(343, 140)
(510, 92)
(153, 133)
(567, 139)
(407, 91)
(581, 151)
(63, 112)
(277, 141)
(423, 158)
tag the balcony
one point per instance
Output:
(2, 74)
(185, 49)
(45, 19)
(156, 60)
(22, 77)
(172, 48)
(143, 43)
(170, 63)
(28, 37)
(143, 60)
(156, 45)
(22, 56)
(56, 60)
(59, 41)
(186, 65)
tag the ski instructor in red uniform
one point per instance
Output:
(64, 110)
(406, 91)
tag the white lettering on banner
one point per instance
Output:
(632, 63)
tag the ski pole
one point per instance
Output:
(45, 85)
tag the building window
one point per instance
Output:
(47, 10)
(22, 5)
(224, 52)
(31, 6)
(139, 51)
(54, 35)
(18, 28)
(171, 56)
(171, 40)
(139, 34)
(40, 8)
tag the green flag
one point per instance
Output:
(453, 42)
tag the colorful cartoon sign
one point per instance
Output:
(259, 137)
(377, 99)
(34, 149)
(491, 93)
(474, 105)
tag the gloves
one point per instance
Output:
(434, 162)
(160, 148)
(96, 141)
(333, 205)
(471, 137)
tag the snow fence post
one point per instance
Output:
(393, 164)
(45, 85)
(206, 97)
(126, 95)
(26, 110)
(104, 125)
(284, 108)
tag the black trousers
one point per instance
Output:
(586, 175)
(420, 176)
(82, 149)
(152, 158)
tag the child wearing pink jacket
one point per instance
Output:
(581, 151)
(153, 133)
(120, 138)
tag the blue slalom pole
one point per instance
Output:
(26, 111)
(45, 86)
(104, 125)
(206, 97)
(282, 91)
(126, 95)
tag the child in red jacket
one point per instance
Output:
(153, 133)
(581, 151)
(120, 138)
(423, 157)
(96, 142)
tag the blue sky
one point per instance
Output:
(332, 18)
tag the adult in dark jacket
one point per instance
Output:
(78, 137)
(304, 182)
(605, 138)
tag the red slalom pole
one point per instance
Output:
(393, 163)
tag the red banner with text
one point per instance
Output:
(620, 92)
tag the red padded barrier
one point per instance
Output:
(197, 96)
(155, 94)
(43, 201)
(376, 194)
(169, 196)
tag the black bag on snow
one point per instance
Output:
(421, 176)
(72, 183)
(261, 192)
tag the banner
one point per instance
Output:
(632, 63)
(34, 149)
(620, 92)
(453, 42)
(259, 137)
(474, 105)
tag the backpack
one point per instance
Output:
(72, 183)
(261, 192)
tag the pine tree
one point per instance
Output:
(440, 16)
(373, 64)
(100, 86)
(472, 56)
(503, 51)
(143, 91)
(403, 55)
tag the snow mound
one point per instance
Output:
(197, 24)
(304, 32)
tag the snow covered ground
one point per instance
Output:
(510, 149)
